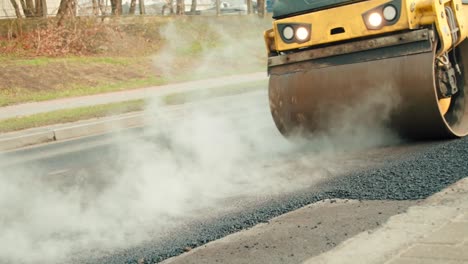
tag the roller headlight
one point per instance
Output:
(295, 32)
(383, 15)
(288, 32)
(375, 20)
(389, 13)
(302, 33)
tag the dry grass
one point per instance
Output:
(39, 61)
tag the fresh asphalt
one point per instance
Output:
(405, 172)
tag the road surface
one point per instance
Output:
(203, 171)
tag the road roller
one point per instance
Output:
(327, 56)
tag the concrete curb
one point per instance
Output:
(112, 124)
(97, 128)
(16, 142)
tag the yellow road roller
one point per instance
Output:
(326, 54)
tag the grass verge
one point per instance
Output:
(69, 115)
(77, 90)
(106, 75)
(83, 113)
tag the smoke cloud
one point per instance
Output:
(195, 156)
(232, 44)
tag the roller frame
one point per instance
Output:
(306, 87)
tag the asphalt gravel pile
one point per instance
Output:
(410, 177)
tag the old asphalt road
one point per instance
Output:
(201, 172)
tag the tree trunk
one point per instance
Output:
(116, 7)
(44, 8)
(218, 7)
(261, 8)
(141, 4)
(29, 8)
(249, 6)
(38, 8)
(25, 8)
(132, 9)
(169, 4)
(67, 9)
(16, 7)
(95, 8)
(102, 7)
(193, 7)
(41, 8)
(180, 9)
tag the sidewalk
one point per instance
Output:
(59, 132)
(114, 97)
(434, 232)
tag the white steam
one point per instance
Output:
(363, 123)
(186, 165)
(189, 163)
(231, 44)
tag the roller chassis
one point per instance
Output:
(421, 45)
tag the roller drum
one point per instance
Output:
(396, 85)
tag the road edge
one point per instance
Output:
(54, 133)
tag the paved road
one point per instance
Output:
(200, 172)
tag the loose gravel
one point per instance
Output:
(410, 177)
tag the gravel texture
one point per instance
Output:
(410, 177)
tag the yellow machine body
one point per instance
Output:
(346, 50)
(414, 14)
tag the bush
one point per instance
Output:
(73, 38)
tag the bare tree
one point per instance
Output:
(116, 6)
(36, 8)
(16, 7)
(132, 9)
(193, 7)
(95, 8)
(28, 8)
(67, 9)
(40, 8)
(102, 7)
(261, 8)
(169, 4)
(44, 8)
(180, 9)
(249, 7)
(141, 4)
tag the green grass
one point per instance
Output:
(83, 113)
(6, 98)
(69, 115)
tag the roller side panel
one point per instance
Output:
(397, 82)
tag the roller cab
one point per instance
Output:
(324, 56)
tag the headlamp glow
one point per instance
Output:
(302, 33)
(375, 19)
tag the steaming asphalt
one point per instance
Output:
(406, 172)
